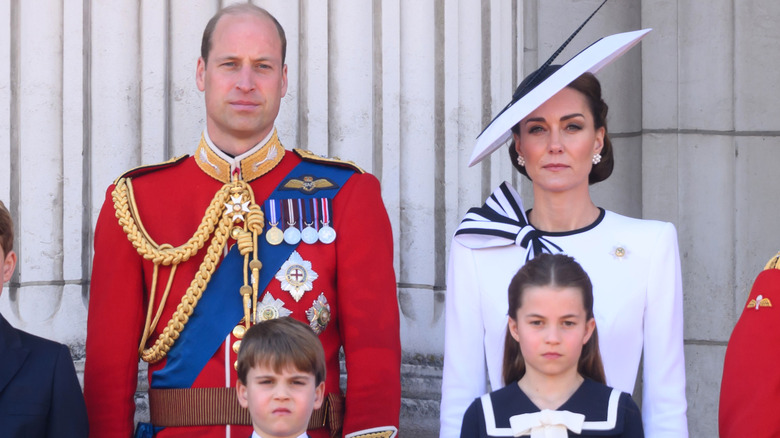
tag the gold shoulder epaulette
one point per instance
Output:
(141, 170)
(311, 156)
(773, 263)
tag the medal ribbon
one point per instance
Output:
(315, 209)
(291, 213)
(272, 211)
(325, 211)
(300, 212)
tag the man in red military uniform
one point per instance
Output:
(191, 252)
(750, 388)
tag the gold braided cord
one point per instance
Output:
(127, 214)
(773, 262)
(190, 299)
(216, 222)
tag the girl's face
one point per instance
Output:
(558, 141)
(551, 328)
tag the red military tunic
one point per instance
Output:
(354, 273)
(750, 388)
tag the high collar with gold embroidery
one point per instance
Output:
(248, 166)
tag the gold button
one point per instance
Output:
(239, 331)
(236, 346)
(620, 251)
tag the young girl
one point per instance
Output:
(552, 366)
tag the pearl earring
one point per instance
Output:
(596, 159)
(521, 161)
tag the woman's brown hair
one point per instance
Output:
(588, 86)
(555, 270)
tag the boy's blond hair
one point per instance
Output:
(6, 230)
(278, 344)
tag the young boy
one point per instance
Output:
(40, 394)
(281, 377)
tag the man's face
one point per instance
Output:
(280, 403)
(243, 80)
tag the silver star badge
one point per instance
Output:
(270, 308)
(296, 276)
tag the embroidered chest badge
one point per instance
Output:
(296, 276)
(760, 301)
(319, 314)
(308, 184)
(270, 308)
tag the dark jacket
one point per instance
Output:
(40, 394)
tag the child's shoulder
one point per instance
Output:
(607, 411)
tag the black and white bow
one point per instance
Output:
(501, 221)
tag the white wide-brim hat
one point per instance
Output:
(590, 60)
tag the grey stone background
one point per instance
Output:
(89, 88)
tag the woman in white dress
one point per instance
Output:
(562, 145)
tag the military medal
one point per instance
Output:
(319, 314)
(274, 235)
(292, 235)
(270, 308)
(326, 233)
(309, 234)
(296, 276)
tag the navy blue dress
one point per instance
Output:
(608, 412)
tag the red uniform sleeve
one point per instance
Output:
(368, 305)
(114, 325)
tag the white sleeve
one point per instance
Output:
(464, 374)
(663, 391)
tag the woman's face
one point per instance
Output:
(558, 141)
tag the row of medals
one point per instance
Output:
(293, 236)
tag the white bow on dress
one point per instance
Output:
(546, 424)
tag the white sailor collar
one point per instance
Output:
(598, 403)
(248, 166)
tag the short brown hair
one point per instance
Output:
(556, 270)
(239, 9)
(279, 343)
(590, 87)
(6, 230)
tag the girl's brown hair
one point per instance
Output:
(555, 270)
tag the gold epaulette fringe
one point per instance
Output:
(773, 263)
(311, 156)
(216, 222)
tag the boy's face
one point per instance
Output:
(7, 268)
(280, 403)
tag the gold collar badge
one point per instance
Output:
(760, 301)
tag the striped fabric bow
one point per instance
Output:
(501, 222)
(546, 424)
